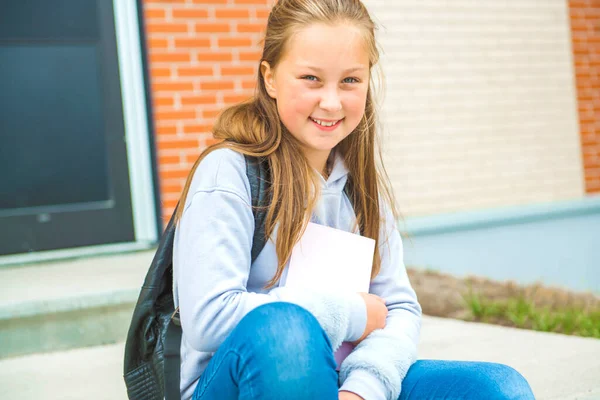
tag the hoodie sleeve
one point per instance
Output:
(377, 366)
(212, 264)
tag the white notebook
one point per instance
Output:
(331, 259)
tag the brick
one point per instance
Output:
(189, 13)
(581, 49)
(234, 42)
(211, 141)
(251, 28)
(194, 71)
(164, 160)
(172, 86)
(590, 140)
(584, 119)
(234, 99)
(258, 2)
(163, 101)
(165, 27)
(210, 114)
(169, 207)
(174, 115)
(195, 128)
(173, 173)
(177, 144)
(182, 43)
(226, 71)
(582, 62)
(263, 14)
(228, 13)
(578, 3)
(250, 55)
(217, 85)
(248, 85)
(212, 28)
(209, 1)
(160, 72)
(156, 43)
(169, 57)
(593, 189)
(167, 203)
(592, 173)
(585, 108)
(591, 161)
(172, 189)
(206, 56)
(580, 26)
(166, 130)
(193, 152)
(190, 159)
(158, 13)
(198, 100)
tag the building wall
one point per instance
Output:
(585, 28)
(480, 108)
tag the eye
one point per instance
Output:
(350, 80)
(310, 78)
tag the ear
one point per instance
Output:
(269, 78)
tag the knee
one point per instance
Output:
(504, 382)
(287, 346)
(284, 328)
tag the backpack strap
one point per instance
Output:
(172, 340)
(172, 358)
(259, 177)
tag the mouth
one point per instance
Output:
(326, 124)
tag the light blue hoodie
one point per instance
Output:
(215, 286)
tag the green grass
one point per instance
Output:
(521, 312)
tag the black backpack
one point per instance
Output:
(152, 359)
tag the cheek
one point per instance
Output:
(297, 105)
(355, 106)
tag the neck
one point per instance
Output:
(318, 160)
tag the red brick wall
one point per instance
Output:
(585, 28)
(203, 55)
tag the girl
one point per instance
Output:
(244, 336)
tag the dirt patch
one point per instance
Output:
(441, 295)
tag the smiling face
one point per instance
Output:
(320, 86)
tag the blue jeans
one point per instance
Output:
(279, 351)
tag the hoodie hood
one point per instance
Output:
(339, 174)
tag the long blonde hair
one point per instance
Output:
(254, 128)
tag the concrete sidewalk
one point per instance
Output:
(74, 304)
(556, 366)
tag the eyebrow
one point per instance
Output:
(349, 70)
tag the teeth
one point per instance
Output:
(323, 123)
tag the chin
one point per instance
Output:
(322, 146)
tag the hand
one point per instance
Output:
(376, 315)
(344, 395)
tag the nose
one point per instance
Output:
(330, 100)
